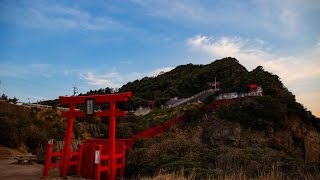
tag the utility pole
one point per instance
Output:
(215, 83)
(75, 90)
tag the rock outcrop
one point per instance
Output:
(298, 139)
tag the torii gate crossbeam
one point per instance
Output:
(112, 113)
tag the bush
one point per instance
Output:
(30, 127)
(255, 113)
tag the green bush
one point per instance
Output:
(255, 113)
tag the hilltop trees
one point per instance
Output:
(106, 90)
(187, 80)
(5, 97)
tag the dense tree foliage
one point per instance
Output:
(187, 80)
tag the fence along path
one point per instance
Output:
(161, 128)
(200, 96)
(148, 133)
(58, 145)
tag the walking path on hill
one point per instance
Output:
(195, 98)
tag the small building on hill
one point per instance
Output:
(255, 90)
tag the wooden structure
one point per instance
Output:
(26, 157)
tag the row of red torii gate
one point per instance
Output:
(98, 158)
(95, 158)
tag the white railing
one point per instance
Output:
(185, 100)
(41, 106)
(44, 106)
(238, 95)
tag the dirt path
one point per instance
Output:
(10, 169)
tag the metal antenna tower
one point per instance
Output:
(75, 90)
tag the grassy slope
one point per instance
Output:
(186, 147)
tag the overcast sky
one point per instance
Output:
(47, 47)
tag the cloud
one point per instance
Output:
(294, 70)
(312, 99)
(309, 4)
(25, 71)
(116, 79)
(289, 18)
(111, 79)
(229, 46)
(156, 72)
(281, 19)
(42, 14)
(173, 10)
(251, 53)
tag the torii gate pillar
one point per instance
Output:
(67, 143)
(112, 113)
(112, 141)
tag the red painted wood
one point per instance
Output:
(67, 142)
(71, 114)
(80, 149)
(119, 97)
(124, 144)
(112, 141)
(47, 161)
(80, 114)
(111, 149)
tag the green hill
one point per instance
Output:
(187, 80)
(249, 135)
(270, 136)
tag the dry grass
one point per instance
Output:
(274, 174)
(162, 157)
(163, 175)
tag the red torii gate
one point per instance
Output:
(151, 105)
(215, 84)
(72, 113)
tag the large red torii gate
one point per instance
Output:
(72, 113)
